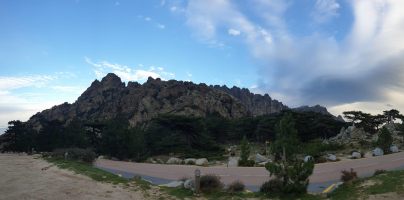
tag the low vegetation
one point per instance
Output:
(387, 182)
(77, 154)
(87, 170)
(348, 176)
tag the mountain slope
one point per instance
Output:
(110, 98)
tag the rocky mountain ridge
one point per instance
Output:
(110, 98)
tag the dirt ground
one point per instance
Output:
(23, 177)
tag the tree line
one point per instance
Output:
(182, 135)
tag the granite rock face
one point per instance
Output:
(256, 104)
(110, 98)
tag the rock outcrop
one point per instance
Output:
(256, 104)
(110, 98)
(318, 109)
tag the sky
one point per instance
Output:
(342, 54)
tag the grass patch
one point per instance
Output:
(387, 182)
(88, 170)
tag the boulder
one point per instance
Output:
(174, 161)
(260, 158)
(393, 149)
(174, 184)
(368, 154)
(308, 158)
(233, 162)
(190, 161)
(189, 184)
(331, 157)
(356, 155)
(377, 152)
(263, 163)
(202, 162)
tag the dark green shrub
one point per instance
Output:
(84, 155)
(273, 186)
(385, 140)
(246, 163)
(236, 186)
(379, 171)
(210, 183)
(348, 176)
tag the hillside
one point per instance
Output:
(110, 98)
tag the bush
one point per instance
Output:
(385, 140)
(273, 186)
(236, 186)
(84, 155)
(379, 171)
(348, 176)
(210, 183)
(246, 163)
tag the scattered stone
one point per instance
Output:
(189, 184)
(331, 157)
(377, 152)
(260, 158)
(308, 158)
(356, 155)
(368, 154)
(174, 161)
(189, 161)
(393, 149)
(202, 162)
(174, 184)
(263, 163)
(233, 161)
(159, 161)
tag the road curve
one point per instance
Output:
(255, 176)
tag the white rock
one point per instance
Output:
(308, 158)
(331, 157)
(173, 160)
(189, 161)
(356, 155)
(368, 154)
(202, 162)
(233, 161)
(263, 163)
(189, 184)
(260, 158)
(173, 184)
(377, 152)
(393, 149)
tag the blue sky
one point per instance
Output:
(339, 53)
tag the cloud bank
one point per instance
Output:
(364, 67)
(126, 73)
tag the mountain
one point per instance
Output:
(317, 109)
(110, 98)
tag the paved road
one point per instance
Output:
(324, 174)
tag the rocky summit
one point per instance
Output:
(110, 98)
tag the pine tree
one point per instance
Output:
(290, 171)
(385, 140)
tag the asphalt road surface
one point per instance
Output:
(324, 174)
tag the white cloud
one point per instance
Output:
(161, 26)
(15, 82)
(316, 68)
(20, 105)
(127, 73)
(69, 89)
(117, 3)
(324, 10)
(233, 32)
